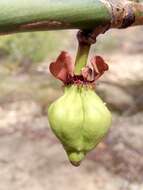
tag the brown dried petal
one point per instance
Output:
(62, 67)
(99, 66)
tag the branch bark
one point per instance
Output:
(37, 15)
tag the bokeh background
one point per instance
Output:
(31, 158)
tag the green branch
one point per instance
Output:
(29, 15)
(36, 15)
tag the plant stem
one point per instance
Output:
(82, 57)
(37, 15)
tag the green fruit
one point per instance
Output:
(80, 120)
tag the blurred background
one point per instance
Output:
(31, 158)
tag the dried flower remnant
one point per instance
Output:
(63, 69)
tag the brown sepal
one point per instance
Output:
(99, 66)
(63, 67)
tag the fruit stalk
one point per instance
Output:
(82, 57)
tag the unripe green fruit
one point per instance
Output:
(80, 120)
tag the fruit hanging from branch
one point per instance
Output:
(80, 119)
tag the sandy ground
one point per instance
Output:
(33, 159)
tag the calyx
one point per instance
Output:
(63, 69)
